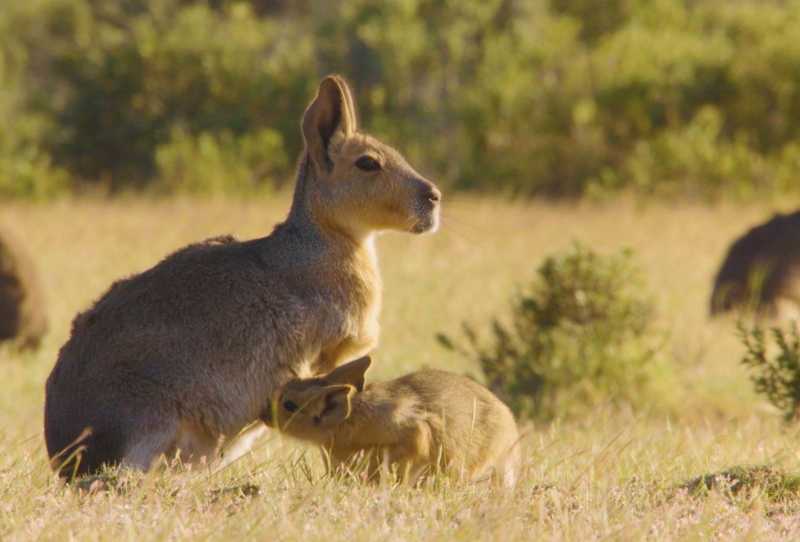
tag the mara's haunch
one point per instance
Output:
(762, 270)
(22, 310)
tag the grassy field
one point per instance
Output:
(611, 475)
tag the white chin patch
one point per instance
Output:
(434, 227)
(428, 224)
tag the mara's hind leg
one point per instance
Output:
(151, 441)
(194, 445)
(504, 469)
(144, 447)
(181, 439)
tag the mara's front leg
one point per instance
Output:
(350, 348)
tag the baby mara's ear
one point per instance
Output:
(268, 415)
(350, 373)
(336, 406)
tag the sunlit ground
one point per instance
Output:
(611, 475)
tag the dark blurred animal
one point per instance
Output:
(177, 358)
(22, 310)
(762, 270)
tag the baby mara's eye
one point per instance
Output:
(368, 163)
(289, 406)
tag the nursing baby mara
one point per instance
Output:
(420, 423)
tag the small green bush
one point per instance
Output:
(580, 334)
(775, 373)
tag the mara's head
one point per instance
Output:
(314, 408)
(353, 182)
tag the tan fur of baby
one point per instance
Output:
(418, 423)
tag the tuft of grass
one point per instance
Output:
(775, 484)
(774, 365)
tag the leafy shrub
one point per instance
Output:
(223, 163)
(26, 168)
(581, 333)
(26, 172)
(775, 374)
(529, 120)
(595, 23)
(694, 160)
(555, 98)
(155, 67)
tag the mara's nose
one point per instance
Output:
(432, 194)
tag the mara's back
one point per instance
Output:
(141, 341)
(472, 431)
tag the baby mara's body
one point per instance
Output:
(421, 423)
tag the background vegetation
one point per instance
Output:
(774, 362)
(533, 97)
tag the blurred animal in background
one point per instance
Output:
(23, 318)
(761, 271)
(420, 423)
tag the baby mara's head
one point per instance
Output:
(314, 408)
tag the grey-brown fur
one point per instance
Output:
(23, 316)
(176, 358)
(762, 270)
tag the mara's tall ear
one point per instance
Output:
(351, 373)
(337, 405)
(331, 112)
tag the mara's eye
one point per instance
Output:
(289, 406)
(368, 163)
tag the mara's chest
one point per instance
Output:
(353, 308)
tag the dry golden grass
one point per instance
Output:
(610, 476)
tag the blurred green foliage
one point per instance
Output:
(558, 98)
(774, 362)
